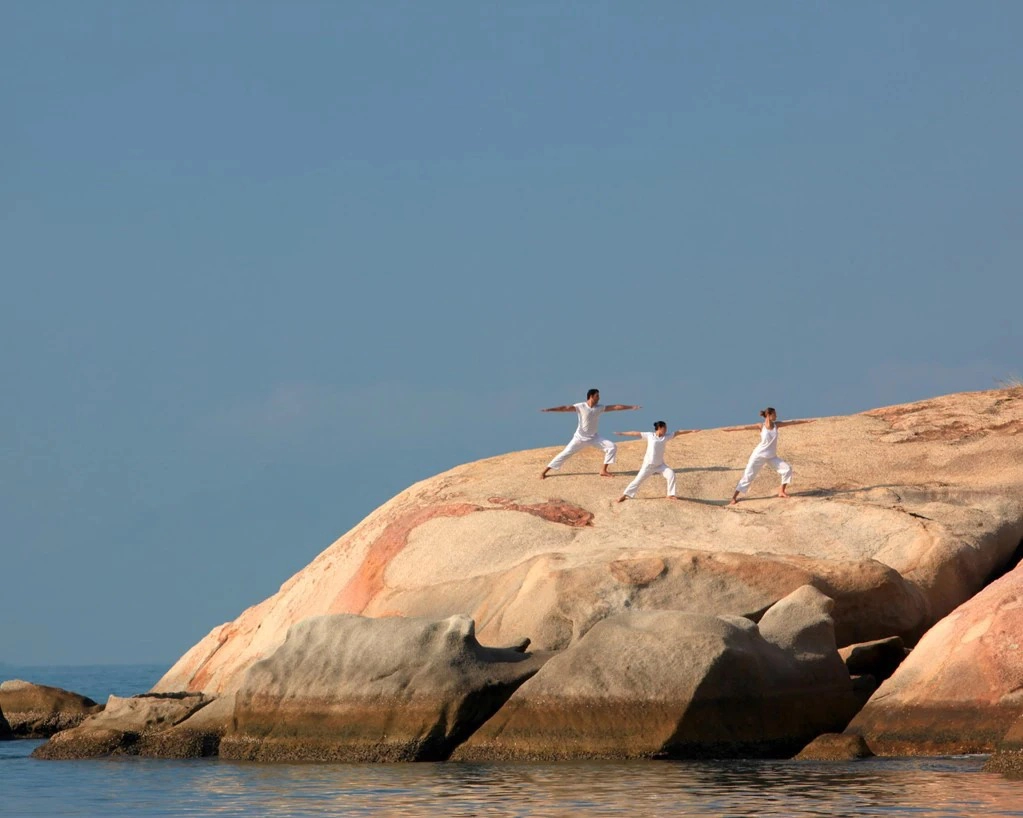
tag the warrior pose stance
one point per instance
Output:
(653, 460)
(586, 434)
(765, 452)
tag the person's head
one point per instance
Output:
(660, 428)
(769, 413)
(593, 397)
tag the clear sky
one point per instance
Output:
(266, 264)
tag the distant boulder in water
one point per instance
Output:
(40, 711)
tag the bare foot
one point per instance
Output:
(734, 501)
(623, 498)
(606, 474)
(543, 474)
(783, 494)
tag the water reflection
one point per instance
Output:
(131, 787)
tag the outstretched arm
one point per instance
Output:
(794, 422)
(684, 432)
(749, 428)
(559, 409)
(629, 434)
(620, 407)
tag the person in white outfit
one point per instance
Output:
(765, 453)
(653, 460)
(586, 433)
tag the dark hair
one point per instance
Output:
(768, 411)
(591, 393)
(660, 424)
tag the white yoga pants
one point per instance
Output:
(648, 470)
(577, 444)
(756, 463)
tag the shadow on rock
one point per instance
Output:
(656, 684)
(350, 688)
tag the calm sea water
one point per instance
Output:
(139, 787)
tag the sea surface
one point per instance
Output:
(109, 788)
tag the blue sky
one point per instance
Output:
(266, 264)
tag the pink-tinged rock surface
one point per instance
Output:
(961, 687)
(899, 515)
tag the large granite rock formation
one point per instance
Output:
(899, 515)
(962, 685)
(348, 688)
(39, 711)
(649, 684)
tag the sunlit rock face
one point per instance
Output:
(899, 515)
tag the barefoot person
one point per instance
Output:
(653, 460)
(765, 452)
(585, 435)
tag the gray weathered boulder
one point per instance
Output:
(123, 726)
(39, 711)
(349, 688)
(675, 684)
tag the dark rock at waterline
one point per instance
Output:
(674, 684)
(1008, 755)
(350, 688)
(835, 747)
(5, 728)
(123, 727)
(198, 736)
(40, 711)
